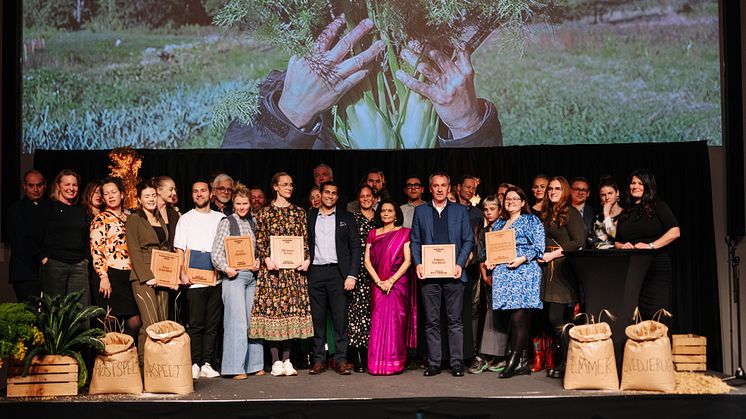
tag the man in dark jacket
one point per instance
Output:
(25, 230)
(334, 244)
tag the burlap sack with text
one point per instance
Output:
(648, 364)
(168, 360)
(117, 369)
(591, 364)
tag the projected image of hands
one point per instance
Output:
(392, 75)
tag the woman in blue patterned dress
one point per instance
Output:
(516, 286)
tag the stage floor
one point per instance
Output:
(407, 395)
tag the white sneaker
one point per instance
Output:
(195, 371)
(208, 372)
(288, 367)
(278, 369)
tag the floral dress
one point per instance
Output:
(281, 309)
(520, 287)
(358, 310)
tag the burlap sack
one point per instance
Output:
(168, 360)
(117, 369)
(591, 364)
(648, 364)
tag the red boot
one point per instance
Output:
(537, 365)
(549, 353)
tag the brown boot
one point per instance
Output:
(538, 363)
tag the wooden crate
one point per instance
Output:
(689, 340)
(683, 366)
(689, 352)
(51, 375)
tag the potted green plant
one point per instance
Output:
(65, 325)
(18, 332)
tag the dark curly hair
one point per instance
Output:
(649, 196)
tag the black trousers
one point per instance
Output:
(452, 291)
(326, 289)
(26, 289)
(205, 312)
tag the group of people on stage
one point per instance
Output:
(361, 293)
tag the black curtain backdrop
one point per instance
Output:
(682, 172)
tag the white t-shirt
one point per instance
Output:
(196, 231)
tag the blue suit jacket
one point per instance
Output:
(459, 232)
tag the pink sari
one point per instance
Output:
(393, 326)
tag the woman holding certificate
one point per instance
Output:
(111, 259)
(240, 357)
(647, 222)
(148, 231)
(282, 309)
(516, 285)
(564, 231)
(393, 304)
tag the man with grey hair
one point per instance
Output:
(440, 221)
(222, 192)
(322, 173)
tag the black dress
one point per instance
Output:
(635, 227)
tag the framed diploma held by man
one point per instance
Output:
(500, 246)
(165, 268)
(199, 267)
(239, 251)
(439, 260)
(286, 251)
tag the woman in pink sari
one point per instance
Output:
(393, 301)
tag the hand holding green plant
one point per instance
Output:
(394, 103)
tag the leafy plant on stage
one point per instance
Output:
(65, 325)
(379, 112)
(18, 332)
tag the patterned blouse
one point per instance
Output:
(109, 243)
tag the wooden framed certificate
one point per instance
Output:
(239, 251)
(500, 246)
(199, 267)
(165, 266)
(439, 260)
(286, 251)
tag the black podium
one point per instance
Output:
(611, 280)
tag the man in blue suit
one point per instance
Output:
(442, 222)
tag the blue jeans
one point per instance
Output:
(241, 355)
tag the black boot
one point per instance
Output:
(517, 365)
(560, 356)
(361, 359)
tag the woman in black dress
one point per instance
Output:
(564, 231)
(647, 222)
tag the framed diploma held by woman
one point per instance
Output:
(165, 268)
(500, 246)
(239, 250)
(286, 251)
(439, 260)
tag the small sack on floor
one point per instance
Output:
(168, 360)
(591, 364)
(117, 369)
(648, 364)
